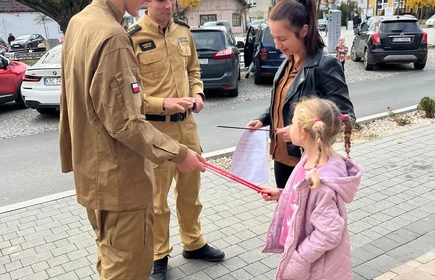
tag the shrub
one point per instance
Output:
(427, 105)
(400, 120)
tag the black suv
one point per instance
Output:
(260, 48)
(219, 58)
(390, 39)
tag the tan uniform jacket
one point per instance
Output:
(168, 61)
(104, 137)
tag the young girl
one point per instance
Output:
(310, 222)
(341, 51)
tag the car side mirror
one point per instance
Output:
(240, 44)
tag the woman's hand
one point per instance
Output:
(270, 194)
(285, 133)
(255, 124)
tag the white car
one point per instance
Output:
(430, 22)
(41, 82)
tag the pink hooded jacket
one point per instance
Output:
(317, 246)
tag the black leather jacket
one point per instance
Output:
(322, 76)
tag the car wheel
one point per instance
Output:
(20, 101)
(234, 92)
(258, 80)
(419, 66)
(367, 65)
(353, 54)
(46, 110)
(29, 47)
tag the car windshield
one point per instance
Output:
(432, 17)
(53, 56)
(23, 38)
(268, 39)
(209, 40)
(399, 26)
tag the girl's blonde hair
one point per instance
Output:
(341, 39)
(323, 121)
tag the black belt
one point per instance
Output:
(173, 118)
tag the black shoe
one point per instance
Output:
(160, 268)
(206, 253)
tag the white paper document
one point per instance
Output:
(250, 159)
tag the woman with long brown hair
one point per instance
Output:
(307, 71)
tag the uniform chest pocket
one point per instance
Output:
(150, 63)
(184, 49)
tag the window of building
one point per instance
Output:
(206, 18)
(237, 20)
(253, 3)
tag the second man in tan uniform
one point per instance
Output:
(173, 91)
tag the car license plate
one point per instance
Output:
(51, 81)
(16, 46)
(401, 39)
(203, 61)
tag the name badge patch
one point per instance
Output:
(146, 46)
(135, 87)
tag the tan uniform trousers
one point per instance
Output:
(125, 243)
(186, 192)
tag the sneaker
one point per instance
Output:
(206, 253)
(160, 268)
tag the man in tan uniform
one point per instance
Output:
(106, 141)
(170, 75)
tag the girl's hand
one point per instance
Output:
(285, 133)
(255, 124)
(270, 194)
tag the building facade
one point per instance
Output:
(233, 11)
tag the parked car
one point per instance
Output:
(322, 24)
(11, 75)
(29, 41)
(219, 58)
(260, 48)
(219, 23)
(430, 22)
(41, 83)
(390, 39)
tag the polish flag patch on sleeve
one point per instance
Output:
(135, 87)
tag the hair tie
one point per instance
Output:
(342, 117)
(317, 120)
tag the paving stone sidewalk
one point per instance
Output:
(391, 222)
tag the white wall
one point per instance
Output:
(24, 23)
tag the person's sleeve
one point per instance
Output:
(194, 73)
(265, 117)
(65, 143)
(117, 101)
(333, 86)
(327, 235)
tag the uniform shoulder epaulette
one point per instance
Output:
(176, 20)
(133, 29)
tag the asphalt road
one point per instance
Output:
(30, 165)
